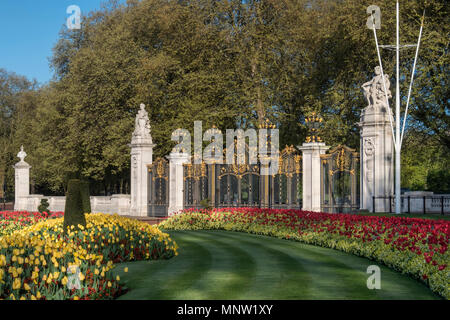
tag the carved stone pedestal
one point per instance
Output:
(377, 169)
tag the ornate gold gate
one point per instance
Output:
(242, 185)
(158, 188)
(340, 182)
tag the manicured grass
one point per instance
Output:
(433, 216)
(230, 265)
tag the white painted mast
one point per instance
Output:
(398, 208)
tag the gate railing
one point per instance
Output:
(242, 185)
(339, 176)
(436, 204)
(158, 191)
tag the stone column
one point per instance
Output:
(311, 175)
(176, 183)
(22, 182)
(141, 156)
(377, 149)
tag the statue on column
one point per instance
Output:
(142, 124)
(22, 154)
(374, 91)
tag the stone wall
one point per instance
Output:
(117, 203)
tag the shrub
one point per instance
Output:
(74, 211)
(43, 207)
(206, 204)
(85, 196)
(438, 181)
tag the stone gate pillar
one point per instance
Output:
(377, 146)
(22, 182)
(377, 170)
(311, 175)
(176, 182)
(141, 156)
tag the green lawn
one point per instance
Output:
(228, 265)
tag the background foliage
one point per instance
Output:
(229, 63)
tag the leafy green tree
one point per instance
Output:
(227, 63)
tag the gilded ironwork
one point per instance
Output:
(314, 122)
(241, 184)
(289, 162)
(339, 182)
(195, 171)
(342, 159)
(159, 169)
(158, 192)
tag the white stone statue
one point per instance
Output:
(374, 91)
(22, 154)
(142, 125)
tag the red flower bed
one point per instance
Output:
(12, 221)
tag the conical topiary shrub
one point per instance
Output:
(85, 196)
(43, 207)
(74, 213)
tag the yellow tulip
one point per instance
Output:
(17, 283)
(2, 261)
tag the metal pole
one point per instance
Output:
(373, 204)
(412, 78)
(397, 123)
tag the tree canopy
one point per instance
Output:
(228, 63)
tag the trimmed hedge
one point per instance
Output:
(74, 210)
(85, 196)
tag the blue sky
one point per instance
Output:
(28, 31)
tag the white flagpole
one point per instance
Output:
(397, 124)
(412, 78)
